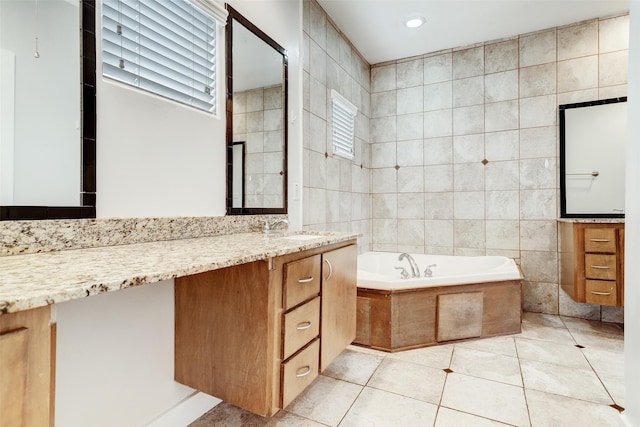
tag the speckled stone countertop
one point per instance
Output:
(593, 220)
(35, 280)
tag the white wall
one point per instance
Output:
(632, 230)
(155, 158)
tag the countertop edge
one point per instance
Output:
(41, 293)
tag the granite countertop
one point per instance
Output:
(35, 280)
(593, 220)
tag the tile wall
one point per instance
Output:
(336, 191)
(464, 148)
(257, 121)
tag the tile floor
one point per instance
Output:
(559, 371)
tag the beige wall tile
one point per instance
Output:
(468, 91)
(578, 40)
(500, 116)
(410, 232)
(538, 111)
(410, 153)
(502, 56)
(614, 34)
(438, 151)
(439, 205)
(503, 234)
(411, 179)
(502, 145)
(438, 96)
(411, 205)
(438, 123)
(539, 266)
(438, 68)
(578, 74)
(540, 297)
(502, 175)
(538, 235)
(384, 180)
(468, 120)
(384, 104)
(469, 234)
(538, 204)
(383, 78)
(439, 233)
(410, 100)
(537, 48)
(538, 142)
(438, 178)
(468, 177)
(613, 68)
(538, 80)
(538, 173)
(409, 126)
(468, 148)
(468, 62)
(502, 205)
(410, 73)
(468, 205)
(501, 86)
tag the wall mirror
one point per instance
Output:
(256, 120)
(47, 109)
(592, 158)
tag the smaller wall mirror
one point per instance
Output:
(592, 158)
(256, 120)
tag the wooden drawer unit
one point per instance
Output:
(299, 371)
(600, 240)
(601, 292)
(301, 280)
(254, 334)
(300, 326)
(599, 266)
(592, 262)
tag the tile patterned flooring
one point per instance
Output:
(559, 371)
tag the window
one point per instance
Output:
(343, 116)
(167, 47)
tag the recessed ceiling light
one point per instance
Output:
(414, 22)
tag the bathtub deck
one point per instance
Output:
(401, 320)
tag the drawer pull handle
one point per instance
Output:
(601, 267)
(307, 280)
(601, 293)
(330, 268)
(600, 240)
(307, 371)
(304, 325)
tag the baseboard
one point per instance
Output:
(186, 412)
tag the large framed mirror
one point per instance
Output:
(592, 158)
(256, 120)
(48, 109)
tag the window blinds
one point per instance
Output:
(343, 123)
(167, 47)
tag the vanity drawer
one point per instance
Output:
(300, 326)
(601, 240)
(298, 372)
(301, 280)
(600, 266)
(600, 292)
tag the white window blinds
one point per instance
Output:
(343, 118)
(167, 47)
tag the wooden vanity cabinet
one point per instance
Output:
(255, 335)
(592, 262)
(26, 381)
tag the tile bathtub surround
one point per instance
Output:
(479, 177)
(336, 191)
(528, 379)
(25, 237)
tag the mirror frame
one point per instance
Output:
(563, 157)
(235, 15)
(87, 208)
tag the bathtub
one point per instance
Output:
(465, 298)
(376, 270)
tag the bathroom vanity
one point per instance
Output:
(592, 261)
(248, 312)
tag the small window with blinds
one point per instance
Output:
(343, 117)
(167, 47)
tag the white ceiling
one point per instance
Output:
(376, 29)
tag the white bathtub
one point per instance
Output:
(376, 270)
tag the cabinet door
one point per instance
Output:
(338, 327)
